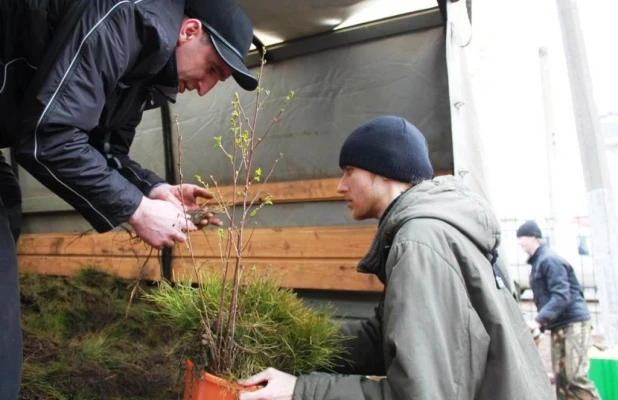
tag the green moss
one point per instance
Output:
(79, 344)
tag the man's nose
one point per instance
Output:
(340, 186)
(204, 86)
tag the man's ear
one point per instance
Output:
(190, 29)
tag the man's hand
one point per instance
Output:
(535, 331)
(279, 386)
(187, 194)
(160, 223)
(176, 196)
(534, 324)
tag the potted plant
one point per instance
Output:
(235, 323)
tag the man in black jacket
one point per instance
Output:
(562, 310)
(76, 76)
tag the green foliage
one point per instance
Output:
(204, 184)
(274, 328)
(257, 175)
(78, 343)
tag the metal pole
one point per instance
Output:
(594, 164)
(170, 177)
(550, 145)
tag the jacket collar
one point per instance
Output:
(389, 208)
(378, 251)
(537, 254)
(166, 81)
(444, 199)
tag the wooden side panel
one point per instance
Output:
(288, 192)
(318, 257)
(124, 267)
(298, 242)
(310, 190)
(337, 274)
(112, 244)
(321, 258)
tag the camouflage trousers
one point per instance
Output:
(569, 358)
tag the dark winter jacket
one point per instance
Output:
(557, 293)
(445, 330)
(77, 76)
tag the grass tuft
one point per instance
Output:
(274, 328)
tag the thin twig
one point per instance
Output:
(257, 195)
(137, 281)
(182, 198)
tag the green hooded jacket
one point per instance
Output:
(444, 330)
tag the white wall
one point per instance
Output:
(511, 102)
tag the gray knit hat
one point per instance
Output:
(390, 147)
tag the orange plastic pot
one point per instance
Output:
(204, 386)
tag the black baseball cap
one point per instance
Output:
(231, 33)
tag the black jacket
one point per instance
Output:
(78, 74)
(557, 293)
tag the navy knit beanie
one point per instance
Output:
(529, 228)
(390, 147)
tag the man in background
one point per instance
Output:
(562, 310)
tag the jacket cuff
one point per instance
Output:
(307, 385)
(542, 318)
(119, 213)
(320, 386)
(151, 188)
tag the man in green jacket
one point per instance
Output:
(447, 327)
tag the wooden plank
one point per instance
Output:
(309, 190)
(322, 257)
(298, 274)
(117, 243)
(124, 267)
(287, 192)
(338, 274)
(306, 242)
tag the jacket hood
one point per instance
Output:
(446, 199)
(160, 24)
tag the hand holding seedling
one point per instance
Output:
(184, 197)
(160, 223)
